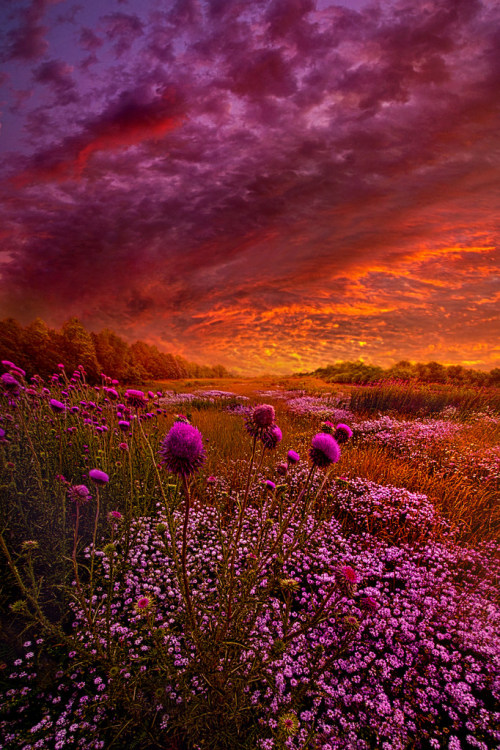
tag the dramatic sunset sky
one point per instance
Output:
(268, 184)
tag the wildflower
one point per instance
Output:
(98, 476)
(124, 425)
(324, 450)
(9, 382)
(211, 480)
(282, 468)
(289, 724)
(123, 446)
(369, 604)
(79, 494)
(271, 437)
(181, 418)
(342, 433)
(270, 485)
(112, 392)
(136, 398)
(350, 622)
(349, 574)
(114, 515)
(260, 419)
(182, 450)
(328, 427)
(144, 604)
(293, 457)
(56, 405)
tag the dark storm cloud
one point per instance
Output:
(263, 171)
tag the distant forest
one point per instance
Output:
(431, 372)
(38, 349)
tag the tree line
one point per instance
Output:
(39, 349)
(430, 372)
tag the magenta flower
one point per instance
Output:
(260, 419)
(270, 485)
(56, 405)
(114, 515)
(342, 433)
(369, 604)
(293, 457)
(112, 393)
(9, 382)
(282, 469)
(271, 437)
(349, 574)
(328, 427)
(324, 450)
(79, 494)
(98, 476)
(136, 398)
(182, 450)
(123, 446)
(123, 425)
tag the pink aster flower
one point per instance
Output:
(98, 476)
(324, 450)
(182, 450)
(9, 382)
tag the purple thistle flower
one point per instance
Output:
(9, 382)
(56, 405)
(114, 515)
(293, 457)
(79, 494)
(342, 433)
(282, 469)
(136, 398)
(324, 450)
(369, 604)
(260, 419)
(271, 437)
(182, 450)
(98, 476)
(270, 485)
(328, 427)
(123, 425)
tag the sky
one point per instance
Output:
(271, 185)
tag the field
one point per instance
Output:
(187, 569)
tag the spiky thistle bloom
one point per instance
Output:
(328, 427)
(9, 382)
(271, 437)
(324, 450)
(289, 724)
(282, 469)
(260, 420)
(56, 405)
(342, 433)
(270, 485)
(98, 476)
(182, 450)
(136, 398)
(79, 494)
(293, 457)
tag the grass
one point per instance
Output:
(240, 582)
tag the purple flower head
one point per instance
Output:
(123, 446)
(123, 425)
(271, 437)
(211, 480)
(114, 515)
(182, 418)
(19, 371)
(98, 476)
(270, 485)
(182, 450)
(7, 363)
(260, 419)
(324, 450)
(293, 457)
(342, 433)
(79, 494)
(328, 427)
(282, 469)
(136, 398)
(369, 604)
(348, 574)
(112, 393)
(9, 382)
(151, 394)
(56, 405)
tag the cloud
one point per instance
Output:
(26, 41)
(269, 178)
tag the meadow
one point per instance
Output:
(272, 563)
